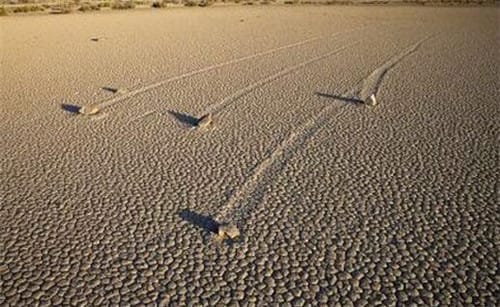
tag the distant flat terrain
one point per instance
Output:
(338, 200)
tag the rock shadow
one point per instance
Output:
(184, 118)
(71, 108)
(110, 89)
(204, 222)
(341, 98)
(97, 38)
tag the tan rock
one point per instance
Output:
(122, 91)
(228, 231)
(371, 100)
(205, 121)
(88, 110)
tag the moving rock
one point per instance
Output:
(371, 100)
(88, 110)
(204, 121)
(228, 231)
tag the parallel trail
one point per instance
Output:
(151, 86)
(219, 106)
(231, 211)
(228, 100)
(129, 94)
(295, 139)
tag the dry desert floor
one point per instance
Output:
(337, 201)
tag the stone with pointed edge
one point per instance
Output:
(228, 231)
(88, 110)
(204, 121)
(371, 100)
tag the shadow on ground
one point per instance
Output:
(71, 108)
(184, 118)
(341, 98)
(201, 221)
(110, 89)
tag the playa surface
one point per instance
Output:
(336, 200)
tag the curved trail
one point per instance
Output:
(151, 86)
(228, 100)
(372, 83)
(219, 106)
(129, 94)
(295, 139)
(231, 212)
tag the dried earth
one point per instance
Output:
(336, 201)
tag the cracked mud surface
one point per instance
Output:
(337, 202)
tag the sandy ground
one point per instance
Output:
(337, 201)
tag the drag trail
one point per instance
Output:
(232, 211)
(372, 83)
(338, 202)
(221, 105)
(228, 100)
(132, 93)
(145, 88)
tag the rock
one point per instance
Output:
(228, 231)
(371, 100)
(88, 110)
(204, 121)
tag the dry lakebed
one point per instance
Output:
(250, 155)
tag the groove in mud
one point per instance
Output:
(231, 212)
(294, 140)
(146, 114)
(217, 107)
(146, 88)
(372, 83)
